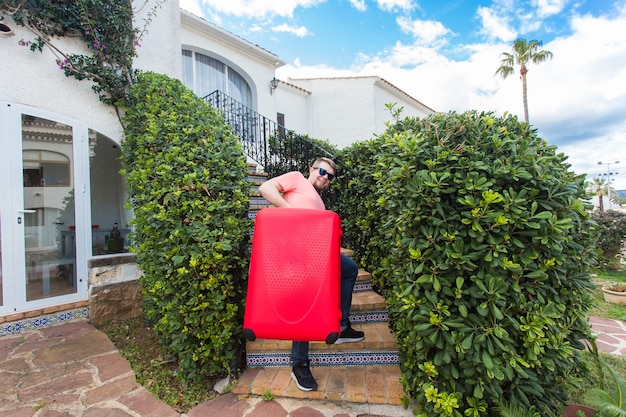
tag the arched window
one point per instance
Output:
(48, 168)
(204, 75)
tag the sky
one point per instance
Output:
(445, 53)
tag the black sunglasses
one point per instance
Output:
(324, 172)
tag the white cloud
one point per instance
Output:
(192, 6)
(395, 5)
(609, 148)
(359, 5)
(300, 32)
(545, 8)
(252, 8)
(576, 100)
(426, 32)
(495, 26)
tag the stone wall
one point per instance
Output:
(114, 288)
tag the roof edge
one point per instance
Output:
(231, 39)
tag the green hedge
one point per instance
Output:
(186, 175)
(477, 234)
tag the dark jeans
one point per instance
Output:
(349, 272)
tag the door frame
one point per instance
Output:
(11, 188)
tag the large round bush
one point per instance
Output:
(186, 175)
(478, 236)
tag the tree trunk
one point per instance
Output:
(600, 202)
(524, 94)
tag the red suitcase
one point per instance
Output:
(293, 285)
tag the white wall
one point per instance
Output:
(343, 110)
(294, 103)
(159, 49)
(34, 79)
(254, 64)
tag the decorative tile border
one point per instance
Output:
(369, 317)
(257, 179)
(362, 286)
(16, 327)
(258, 201)
(326, 359)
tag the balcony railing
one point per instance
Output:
(275, 148)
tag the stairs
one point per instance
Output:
(362, 372)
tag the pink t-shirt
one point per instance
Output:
(299, 192)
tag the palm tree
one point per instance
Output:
(523, 54)
(599, 187)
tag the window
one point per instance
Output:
(280, 119)
(108, 196)
(205, 75)
(46, 168)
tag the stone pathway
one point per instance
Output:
(74, 370)
(611, 335)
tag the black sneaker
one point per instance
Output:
(350, 335)
(303, 377)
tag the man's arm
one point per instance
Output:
(273, 192)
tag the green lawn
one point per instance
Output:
(604, 309)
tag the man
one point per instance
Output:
(295, 190)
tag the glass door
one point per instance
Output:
(48, 215)
(38, 222)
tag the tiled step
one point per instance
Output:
(367, 301)
(361, 372)
(257, 202)
(379, 347)
(377, 384)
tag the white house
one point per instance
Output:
(62, 193)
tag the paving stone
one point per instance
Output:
(20, 412)
(376, 386)
(82, 372)
(70, 329)
(147, 405)
(63, 401)
(229, 405)
(8, 344)
(281, 381)
(111, 390)
(105, 412)
(16, 365)
(111, 366)
(356, 392)
(268, 408)
(33, 346)
(38, 377)
(337, 383)
(263, 381)
(46, 412)
(8, 382)
(54, 388)
(74, 349)
(245, 381)
(305, 412)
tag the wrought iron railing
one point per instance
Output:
(272, 146)
(278, 150)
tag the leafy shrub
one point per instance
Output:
(610, 236)
(476, 232)
(104, 26)
(186, 174)
(290, 151)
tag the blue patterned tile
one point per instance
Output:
(326, 359)
(43, 321)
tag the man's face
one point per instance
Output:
(318, 180)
